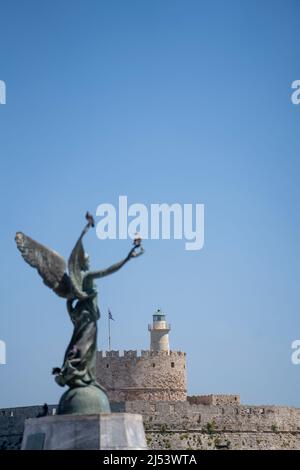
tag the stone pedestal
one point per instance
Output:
(105, 431)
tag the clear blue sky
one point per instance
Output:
(163, 101)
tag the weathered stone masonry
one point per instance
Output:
(151, 375)
(180, 425)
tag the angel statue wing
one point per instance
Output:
(50, 265)
(77, 264)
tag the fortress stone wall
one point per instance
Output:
(180, 425)
(150, 375)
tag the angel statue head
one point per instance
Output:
(75, 282)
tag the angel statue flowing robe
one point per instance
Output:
(80, 357)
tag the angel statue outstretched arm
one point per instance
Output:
(115, 267)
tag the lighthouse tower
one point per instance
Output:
(157, 374)
(159, 332)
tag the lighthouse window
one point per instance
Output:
(172, 364)
(153, 365)
(107, 365)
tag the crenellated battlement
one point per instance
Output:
(139, 353)
(214, 400)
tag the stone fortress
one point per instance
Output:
(154, 384)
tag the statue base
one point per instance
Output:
(84, 401)
(106, 431)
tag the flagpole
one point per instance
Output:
(109, 337)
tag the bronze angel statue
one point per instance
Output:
(76, 283)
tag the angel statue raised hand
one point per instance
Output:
(85, 395)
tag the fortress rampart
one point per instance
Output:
(180, 425)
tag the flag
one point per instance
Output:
(110, 315)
